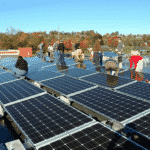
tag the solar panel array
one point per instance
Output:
(76, 72)
(66, 84)
(42, 75)
(138, 89)
(96, 137)
(112, 104)
(106, 80)
(5, 77)
(16, 90)
(142, 125)
(44, 117)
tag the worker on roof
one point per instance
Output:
(41, 51)
(21, 67)
(111, 66)
(136, 59)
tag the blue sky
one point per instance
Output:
(129, 16)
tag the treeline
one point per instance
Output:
(86, 39)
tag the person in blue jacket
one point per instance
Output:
(41, 50)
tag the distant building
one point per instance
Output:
(138, 37)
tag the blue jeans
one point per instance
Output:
(98, 58)
(38, 54)
(41, 53)
(18, 72)
(61, 56)
(56, 55)
(101, 59)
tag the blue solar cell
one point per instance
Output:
(106, 80)
(76, 72)
(96, 137)
(42, 75)
(5, 77)
(66, 84)
(142, 125)
(117, 106)
(44, 117)
(138, 89)
(16, 90)
(2, 70)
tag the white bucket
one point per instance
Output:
(139, 65)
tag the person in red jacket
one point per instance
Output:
(135, 59)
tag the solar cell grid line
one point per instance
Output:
(89, 75)
(138, 89)
(43, 75)
(28, 85)
(6, 77)
(2, 71)
(44, 117)
(114, 105)
(141, 125)
(95, 137)
(136, 117)
(52, 78)
(107, 80)
(24, 99)
(77, 72)
(78, 92)
(66, 84)
(16, 90)
(48, 66)
(137, 97)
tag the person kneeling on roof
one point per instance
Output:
(21, 67)
(111, 66)
(78, 54)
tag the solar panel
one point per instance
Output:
(96, 137)
(106, 80)
(2, 70)
(112, 104)
(69, 62)
(58, 68)
(76, 72)
(138, 89)
(45, 117)
(42, 75)
(5, 77)
(88, 64)
(131, 74)
(141, 125)
(66, 84)
(16, 90)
